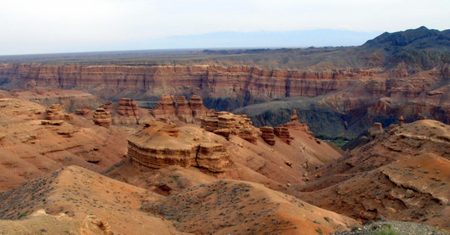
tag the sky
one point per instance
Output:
(49, 26)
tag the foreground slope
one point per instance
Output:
(31, 146)
(237, 207)
(403, 174)
(79, 201)
(81, 194)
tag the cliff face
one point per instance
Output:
(110, 81)
(346, 99)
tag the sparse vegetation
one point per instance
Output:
(385, 230)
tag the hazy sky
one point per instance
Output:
(41, 26)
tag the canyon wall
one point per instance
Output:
(334, 103)
(109, 81)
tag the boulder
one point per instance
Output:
(401, 120)
(376, 130)
(52, 122)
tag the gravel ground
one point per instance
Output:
(394, 228)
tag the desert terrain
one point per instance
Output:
(350, 140)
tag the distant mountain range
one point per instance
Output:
(418, 49)
(269, 39)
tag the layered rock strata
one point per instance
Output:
(161, 144)
(55, 112)
(268, 135)
(226, 124)
(178, 108)
(197, 107)
(283, 133)
(218, 81)
(128, 107)
(102, 117)
(183, 111)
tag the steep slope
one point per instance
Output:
(84, 197)
(348, 112)
(78, 201)
(420, 48)
(31, 146)
(159, 146)
(401, 175)
(234, 207)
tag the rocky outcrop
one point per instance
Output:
(127, 112)
(102, 117)
(268, 135)
(376, 130)
(400, 175)
(161, 144)
(55, 112)
(183, 110)
(283, 133)
(197, 107)
(165, 107)
(226, 124)
(177, 108)
(212, 156)
(128, 108)
(51, 144)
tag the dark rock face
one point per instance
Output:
(419, 48)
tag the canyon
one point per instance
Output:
(265, 141)
(352, 98)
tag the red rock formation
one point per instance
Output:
(283, 133)
(197, 107)
(165, 107)
(226, 124)
(183, 110)
(55, 112)
(102, 117)
(128, 107)
(158, 80)
(177, 108)
(127, 112)
(402, 172)
(161, 145)
(268, 135)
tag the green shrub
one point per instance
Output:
(385, 230)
